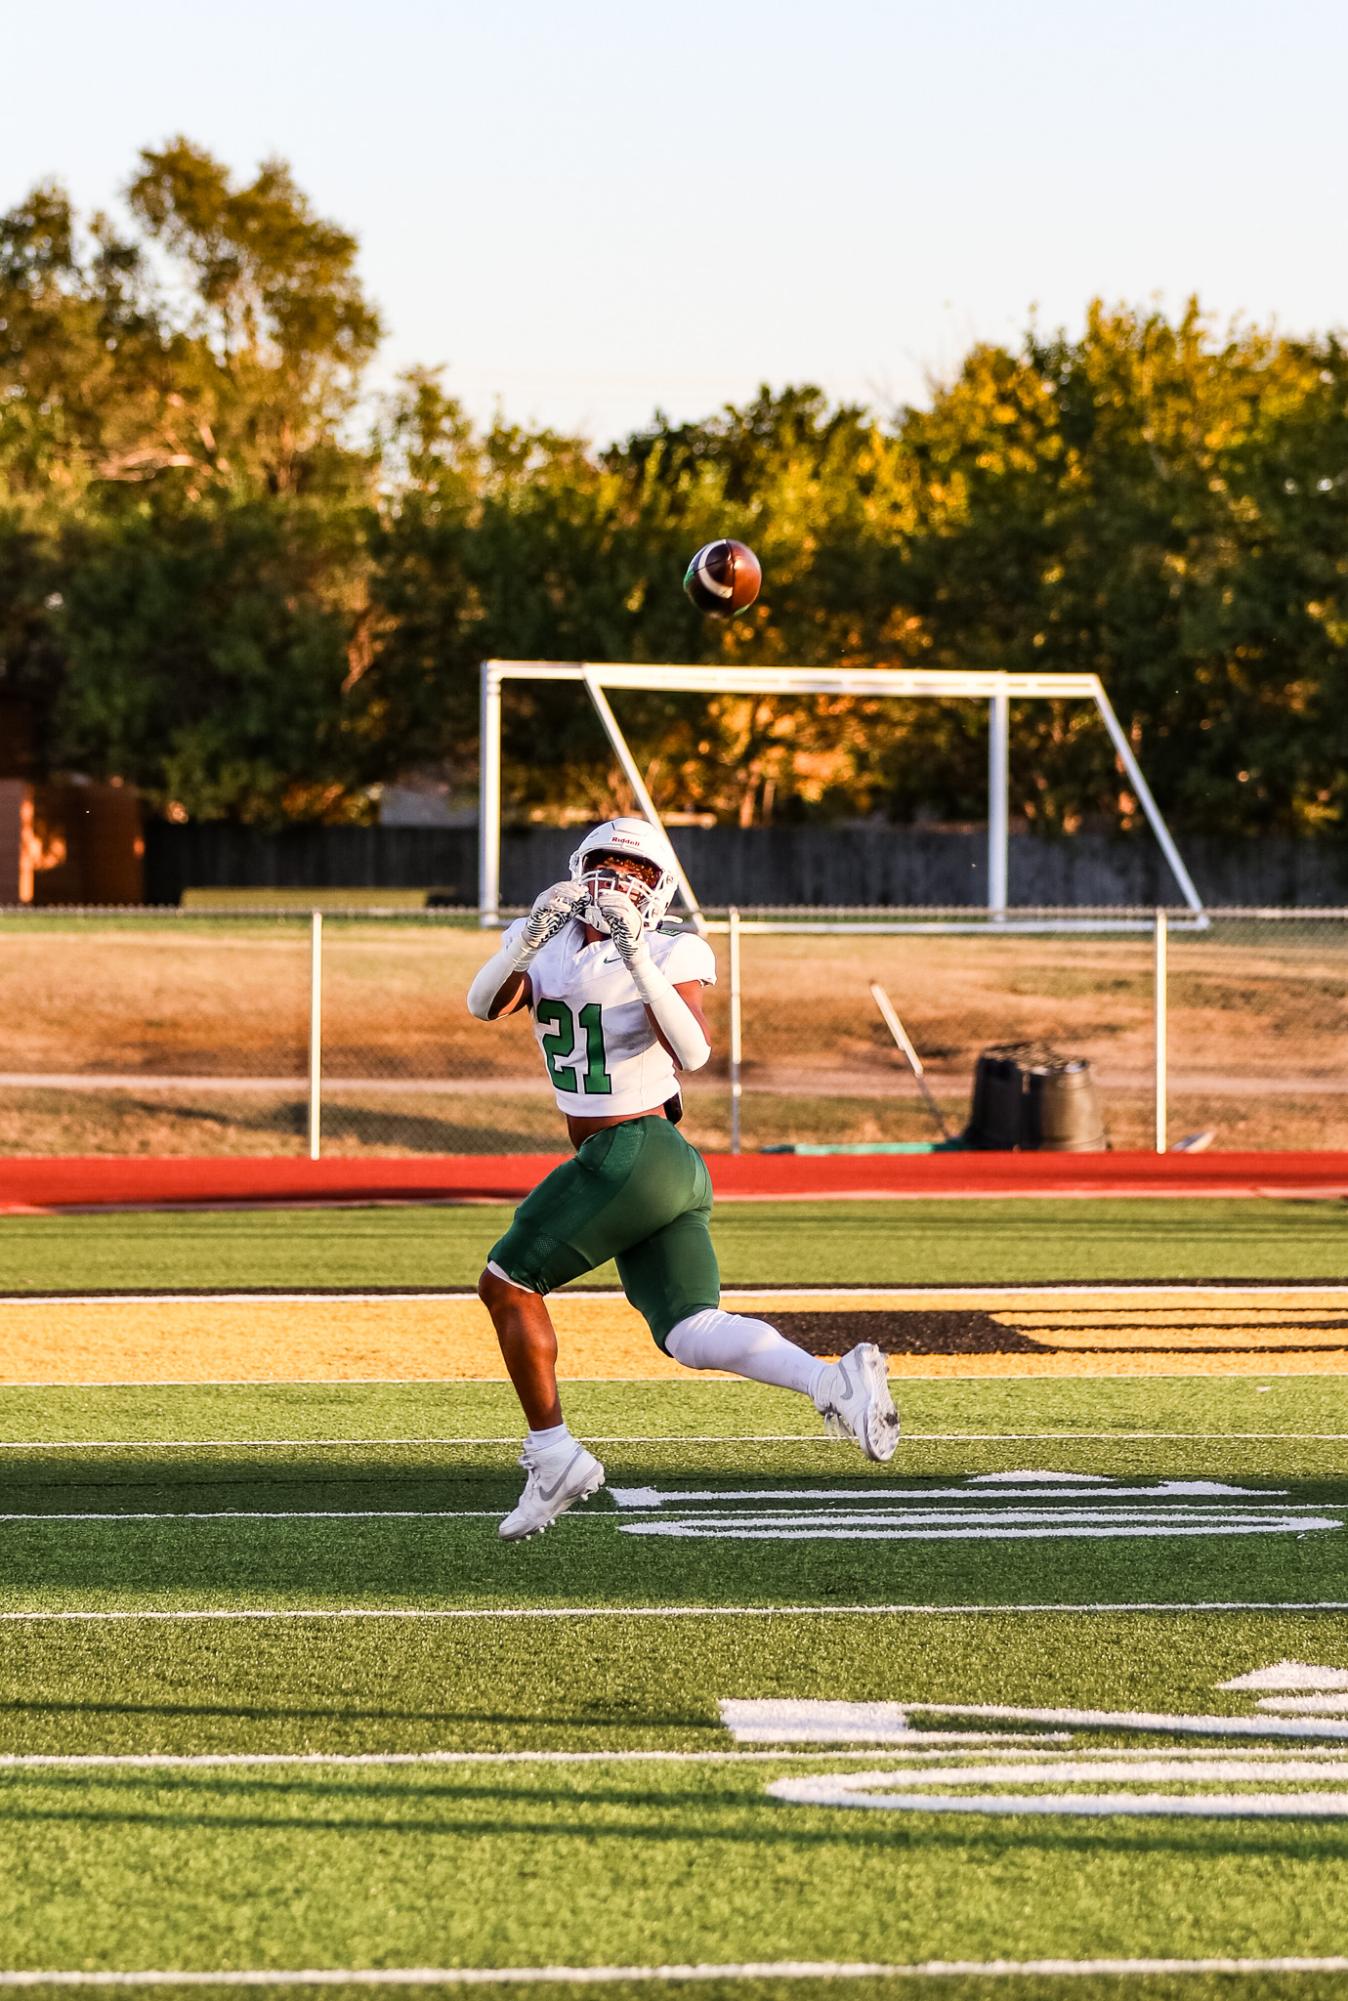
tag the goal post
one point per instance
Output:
(998, 689)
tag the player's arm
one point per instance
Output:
(690, 993)
(502, 985)
(515, 994)
(675, 1013)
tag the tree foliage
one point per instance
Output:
(224, 579)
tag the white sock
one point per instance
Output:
(549, 1440)
(716, 1340)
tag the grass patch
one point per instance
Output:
(624, 1860)
(770, 1243)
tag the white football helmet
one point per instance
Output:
(644, 843)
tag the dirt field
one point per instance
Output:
(955, 1333)
(189, 1036)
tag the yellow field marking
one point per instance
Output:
(206, 1339)
(329, 1340)
(1050, 1303)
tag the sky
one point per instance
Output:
(585, 212)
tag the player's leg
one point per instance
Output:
(526, 1264)
(624, 1181)
(673, 1280)
(528, 1343)
(559, 1470)
(852, 1395)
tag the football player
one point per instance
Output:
(617, 1010)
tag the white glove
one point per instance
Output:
(552, 912)
(677, 1023)
(625, 927)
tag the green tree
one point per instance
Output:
(1127, 503)
(176, 463)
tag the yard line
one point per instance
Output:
(512, 1438)
(997, 1487)
(1213, 1437)
(280, 1515)
(1114, 1533)
(661, 1438)
(602, 1976)
(470, 1612)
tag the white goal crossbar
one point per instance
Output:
(998, 690)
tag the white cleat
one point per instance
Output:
(854, 1402)
(557, 1480)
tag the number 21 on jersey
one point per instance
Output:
(577, 1038)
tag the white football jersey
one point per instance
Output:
(602, 1054)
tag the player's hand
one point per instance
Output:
(624, 923)
(552, 912)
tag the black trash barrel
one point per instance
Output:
(995, 1113)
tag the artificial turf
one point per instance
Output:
(621, 1860)
(759, 1243)
(359, 1500)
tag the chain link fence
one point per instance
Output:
(137, 1034)
(171, 1032)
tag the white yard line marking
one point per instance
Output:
(473, 1612)
(988, 1532)
(511, 1438)
(292, 1515)
(660, 1438)
(1105, 1437)
(603, 1976)
(772, 1720)
(1028, 1486)
(989, 1507)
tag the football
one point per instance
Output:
(723, 578)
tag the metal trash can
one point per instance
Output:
(1028, 1096)
(1060, 1112)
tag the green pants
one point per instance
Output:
(637, 1193)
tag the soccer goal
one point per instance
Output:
(998, 690)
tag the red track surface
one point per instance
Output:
(105, 1182)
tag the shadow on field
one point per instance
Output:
(227, 1531)
(202, 1804)
(225, 1479)
(594, 1717)
(463, 1481)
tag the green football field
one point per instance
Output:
(759, 1243)
(1056, 1702)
